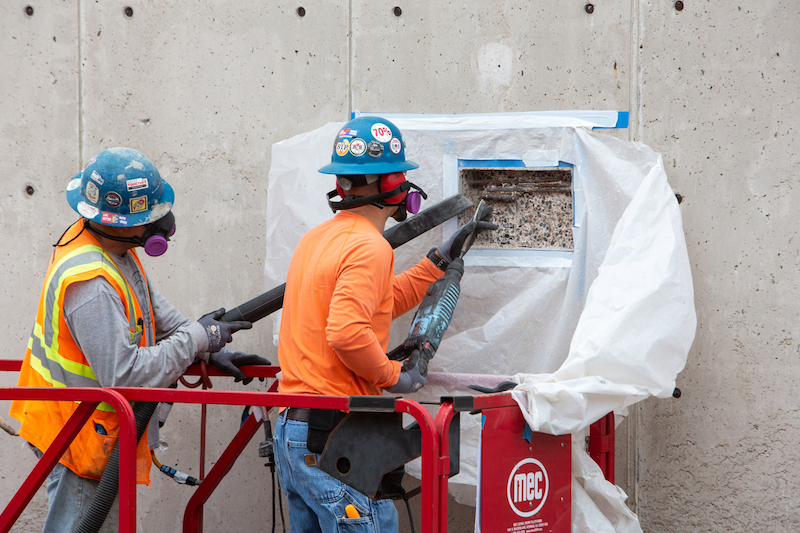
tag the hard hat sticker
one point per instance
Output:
(135, 164)
(92, 192)
(138, 204)
(528, 485)
(381, 132)
(97, 177)
(348, 133)
(358, 147)
(137, 184)
(113, 218)
(113, 199)
(73, 184)
(342, 147)
(395, 145)
(87, 211)
(375, 149)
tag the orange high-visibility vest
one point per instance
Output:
(53, 359)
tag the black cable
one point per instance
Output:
(58, 243)
(280, 506)
(273, 502)
(408, 508)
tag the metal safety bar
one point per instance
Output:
(119, 398)
(89, 398)
(436, 454)
(601, 441)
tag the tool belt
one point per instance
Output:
(320, 424)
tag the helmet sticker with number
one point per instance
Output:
(381, 132)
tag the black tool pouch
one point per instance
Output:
(320, 424)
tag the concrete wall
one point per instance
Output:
(205, 89)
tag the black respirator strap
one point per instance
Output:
(378, 200)
(159, 227)
(134, 240)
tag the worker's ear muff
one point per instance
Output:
(394, 189)
(345, 183)
(408, 200)
(389, 182)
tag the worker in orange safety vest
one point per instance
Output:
(101, 323)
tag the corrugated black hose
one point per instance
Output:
(107, 490)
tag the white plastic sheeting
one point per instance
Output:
(584, 337)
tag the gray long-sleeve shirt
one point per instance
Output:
(97, 320)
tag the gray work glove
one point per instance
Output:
(220, 333)
(229, 361)
(410, 379)
(451, 248)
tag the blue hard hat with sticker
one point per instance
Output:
(368, 145)
(120, 187)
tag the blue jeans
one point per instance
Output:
(68, 497)
(317, 500)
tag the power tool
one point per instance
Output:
(436, 310)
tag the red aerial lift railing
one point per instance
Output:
(435, 438)
(89, 399)
(119, 398)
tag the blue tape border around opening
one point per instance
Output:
(538, 257)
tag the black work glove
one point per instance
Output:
(229, 361)
(410, 379)
(220, 333)
(451, 248)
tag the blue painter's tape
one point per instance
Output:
(490, 163)
(622, 120)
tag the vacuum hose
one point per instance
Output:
(107, 490)
(397, 235)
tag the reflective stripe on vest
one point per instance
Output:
(54, 368)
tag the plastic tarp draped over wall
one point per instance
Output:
(608, 327)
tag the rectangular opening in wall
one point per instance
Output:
(532, 206)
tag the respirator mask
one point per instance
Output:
(153, 240)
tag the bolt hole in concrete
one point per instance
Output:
(29, 10)
(589, 8)
(533, 207)
(397, 11)
(29, 189)
(678, 6)
(301, 12)
(129, 12)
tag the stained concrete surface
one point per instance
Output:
(205, 89)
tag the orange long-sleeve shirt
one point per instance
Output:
(341, 297)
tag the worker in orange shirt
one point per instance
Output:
(341, 297)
